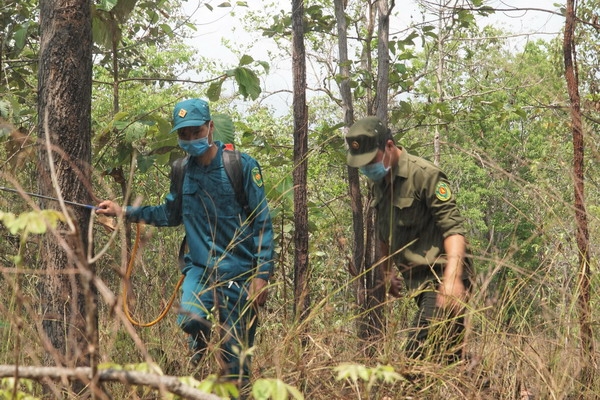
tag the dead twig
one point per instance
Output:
(159, 382)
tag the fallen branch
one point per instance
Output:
(159, 382)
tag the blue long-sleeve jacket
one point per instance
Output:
(220, 234)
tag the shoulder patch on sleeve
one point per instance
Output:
(442, 191)
(257, 177)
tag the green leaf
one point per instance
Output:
(387, 374)
(245, 60)
(123, 9)
(106, 5)
(145, 162)
(207, 385)
(352, 372)
(7, 219)
(189, 381)
(248, 82)
(120, 116)
(520, 112)
(485, 11)
(276, 389)
(261, 389)
(167, 30)
(224, 4)
(224, 129)
(110, 365)
(36, 222)
(20, 38)
(164, 126)
(214, 90)
(103, 31)
(123, 154)
(4, 109)
(280, 392)
(134, 132)
(465, 18)
(265, 66)
(295, 393)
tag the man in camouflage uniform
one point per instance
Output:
(419, 229)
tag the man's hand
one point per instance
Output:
(393, 283)
(452, 295)
(258, 291)
(109, 208)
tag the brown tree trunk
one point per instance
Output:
(582, 233)
(375, 293)
(67, 298)
(357, 261)
(301, 265)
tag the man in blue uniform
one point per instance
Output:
(230, 259)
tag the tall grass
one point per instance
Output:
(522, 342)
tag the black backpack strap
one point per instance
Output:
(178, 170)
(182, 251)
(232, 161)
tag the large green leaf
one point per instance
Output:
(248, 82)
(224, 129)
(35, 222)
(106, 5)
(20, 38)
(214, 90)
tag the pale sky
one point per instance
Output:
(216, 25)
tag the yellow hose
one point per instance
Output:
(130, 265)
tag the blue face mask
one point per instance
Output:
(375, 172)
(195, 147)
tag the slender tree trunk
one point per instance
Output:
(439, 77)
(582, 233)
(372, 307)
(357, 263)
(383, 60)
(301, 265)
(358, 256)
(68, 300)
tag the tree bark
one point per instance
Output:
(301, 265)
(358, 261)
(67, 297)
(582, 232)
(375, 290)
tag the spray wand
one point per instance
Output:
(41, 196)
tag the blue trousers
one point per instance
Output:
(205, 301)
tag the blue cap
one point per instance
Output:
(192, 112)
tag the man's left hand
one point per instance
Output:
(258, 291)
(452, 295)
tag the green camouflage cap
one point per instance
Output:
(363, 139)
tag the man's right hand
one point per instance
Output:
(393, 283)
(109, 208)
